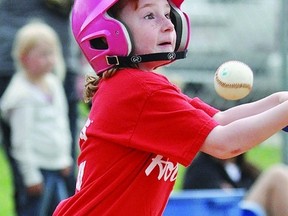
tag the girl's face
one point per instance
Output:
(39, 60)
(151, 28)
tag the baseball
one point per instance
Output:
(233, 80)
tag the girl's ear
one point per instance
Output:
(23, 60)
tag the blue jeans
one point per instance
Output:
(54, 191)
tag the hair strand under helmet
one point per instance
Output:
(105, 41)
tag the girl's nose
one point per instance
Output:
(167, 24)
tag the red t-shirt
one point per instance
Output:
(139, 128)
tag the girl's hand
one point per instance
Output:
(35, 190)
(66, 172)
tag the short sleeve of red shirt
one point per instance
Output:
(172, 124)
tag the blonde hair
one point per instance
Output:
(92, 82)
(29, 36)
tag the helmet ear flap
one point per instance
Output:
(182, 27)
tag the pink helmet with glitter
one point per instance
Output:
(106, 42)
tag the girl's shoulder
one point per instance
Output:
(18, 86)
(18, 93)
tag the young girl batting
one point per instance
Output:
(140, 125)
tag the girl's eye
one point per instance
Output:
(168, 16)
(152, 16)
(149, 16)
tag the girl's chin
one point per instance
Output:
(150, 66)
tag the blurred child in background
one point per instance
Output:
(269, 194)
(208, 172)
(35, 108)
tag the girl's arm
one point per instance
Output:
(245, 126)
(250, 109)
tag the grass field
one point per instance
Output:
(263, 156)
(6, 193)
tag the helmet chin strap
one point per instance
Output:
(135, 59)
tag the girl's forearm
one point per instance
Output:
(250, 109)
(242, 134)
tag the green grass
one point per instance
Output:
(263, 156)
(6, 191)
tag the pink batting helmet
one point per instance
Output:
(100, 36)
